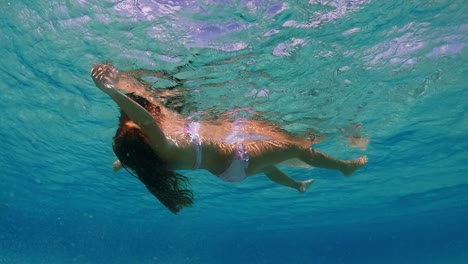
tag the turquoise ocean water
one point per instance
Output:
(390, 73)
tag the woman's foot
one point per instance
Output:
(105, 76)
(353, 165)
(304, 185)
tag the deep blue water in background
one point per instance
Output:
(393, 73)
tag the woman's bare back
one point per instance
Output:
(228, 128)
(245, 130)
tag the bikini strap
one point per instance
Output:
(192, 131)
(198, 151)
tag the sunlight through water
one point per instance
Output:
(386, 79)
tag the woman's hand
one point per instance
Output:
(105, 76)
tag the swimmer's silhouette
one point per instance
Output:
(153, 141)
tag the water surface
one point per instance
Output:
(390, 72)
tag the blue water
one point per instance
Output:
(390, 73)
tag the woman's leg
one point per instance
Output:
(269, 153)
(282, 178)
(321, 160)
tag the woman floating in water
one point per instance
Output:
(154, 141)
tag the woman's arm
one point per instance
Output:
(104, 79)
(116, 166)
(143, 119)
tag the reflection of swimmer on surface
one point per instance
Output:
(154, 141)
(353, 134)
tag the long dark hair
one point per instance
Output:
(134, 152)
